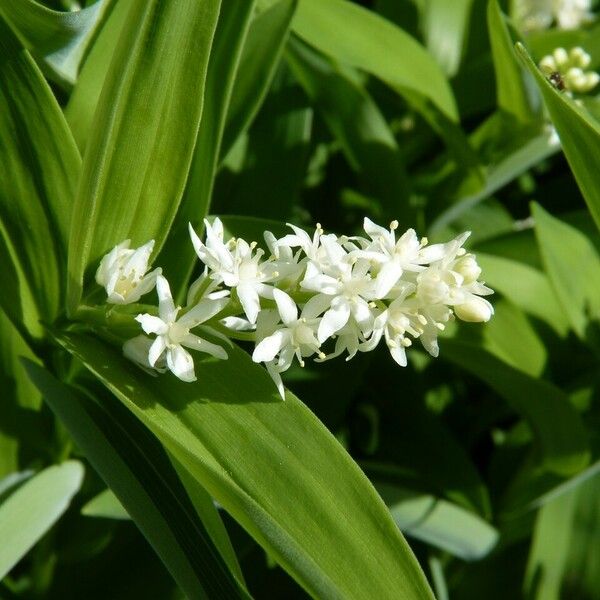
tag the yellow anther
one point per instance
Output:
(394, 225)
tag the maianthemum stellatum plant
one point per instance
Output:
(222, 377)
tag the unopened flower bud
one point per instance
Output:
(474, 310)
(469, 269)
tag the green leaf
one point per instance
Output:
(526, 287)
(513, 85)
(29, 512)
(562, 442)
(133, 463)
(179, 257)
(62, 38)
(105, 505)
(21, 425)
(86, 93)
(500, 334)
(550, 548)
(261, 55)
(573, 266)
(440, 523)
(357, 123)
(361, 38)
(444, 27)
(141, 146)
(274, 467)
(579, 135)
(39, 168)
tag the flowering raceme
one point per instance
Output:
(315, 296)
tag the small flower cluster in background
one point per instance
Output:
(535, 15)
(571, 67)
(318, 295)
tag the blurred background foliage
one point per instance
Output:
(328, 111)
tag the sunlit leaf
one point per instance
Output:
(375, 45)
(573, 266)
(135, 466)
(579, 135)
(61, 38)
(140, 149)
(39, 168)
(29, 512)
(249, 449)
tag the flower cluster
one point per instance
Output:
(570, 67)
(535, 15)
(318, 295)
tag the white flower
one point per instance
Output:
(173, 334)
(535, 15)
(236, 264)
(293, 337)
(395, 257)
(122, 272)
(323, 251)
(340, 297)
(394, 323)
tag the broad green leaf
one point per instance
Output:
(21, 425)
(562, 442)
(358, 125)
(445, 25)
(510, 337)
(61, 38)
(579, 135)
(513, 84)
(39, 167)
(105, 505)
(261, 54)
(439, 522)
(274, 467)
(132, 462)
(573, 266)
(361, 38)
(582, 573)
(29, 512)
(531, 488)
(550, 548)
(86, 92)
(137, 159)
(526, 287)
(178, 257)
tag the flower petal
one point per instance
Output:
(166, 306)
(276, 377)
(156, 349)
(267, 349)
(334, 319)
(181, 363)
(387, 278)
(249, 300)
(286, 306)
(195, 342)
(152, 324)
(203, 311)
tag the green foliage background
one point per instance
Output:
(130, 118)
